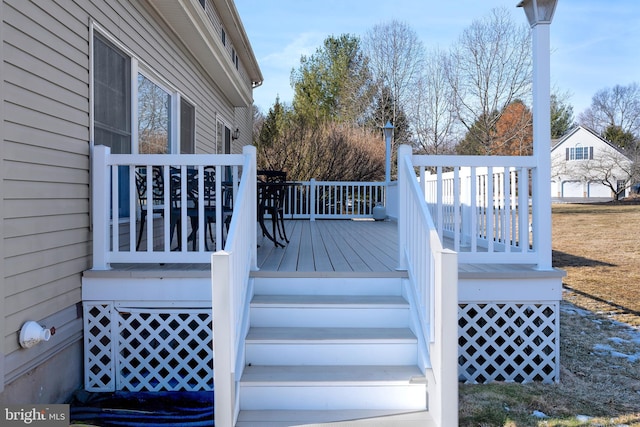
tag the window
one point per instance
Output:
(154, 117)
(223, 139)
(579, 153)
(234, 58)
(219, 138)
(224, 38)
(112, 96)
(187, 127)
(157, 106)
(114, 73)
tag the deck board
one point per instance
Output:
(332, 246)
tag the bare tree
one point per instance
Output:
(396, 58)
(328, 152)
(432, 108)
(618, 106)
(488, 69)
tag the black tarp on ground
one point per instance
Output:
(145, 409)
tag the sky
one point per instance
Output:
(595, 44)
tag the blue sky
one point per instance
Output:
(595, 43)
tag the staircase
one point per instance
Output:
(324, 350)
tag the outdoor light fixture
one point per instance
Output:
(388, 133)
(236, 134)
(539, 11)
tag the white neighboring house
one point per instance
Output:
(585, 165)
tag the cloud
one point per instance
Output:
(289, 56)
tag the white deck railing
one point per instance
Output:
(231, 292)
(482, 206)
(433, 291)
(333, 199)
(168, 236)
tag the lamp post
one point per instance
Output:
(539, 14)
(388, 133)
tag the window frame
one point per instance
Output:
(579, 152)
(139, 67)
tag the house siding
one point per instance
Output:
(45, 153)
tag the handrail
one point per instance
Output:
(481, 205)
(231, 292)
(118, 208)
(433, 276)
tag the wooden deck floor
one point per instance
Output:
(326, 246)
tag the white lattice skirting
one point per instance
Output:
(146, 349)
(511, 342)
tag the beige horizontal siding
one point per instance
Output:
(68, 326)
(45, 150)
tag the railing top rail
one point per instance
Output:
(475, 161)
(343, 183)
(177, 159)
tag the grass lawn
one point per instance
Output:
(599, 247)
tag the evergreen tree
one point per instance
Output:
(561, 117)
(333, 84)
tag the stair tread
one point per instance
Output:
(300, 375)
(327, 334)
(353, 417)
(330, 300)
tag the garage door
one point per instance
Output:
(572, 189)
(597, 189)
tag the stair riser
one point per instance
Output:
(332, 397)
(331, 354)
(327, 286)
(330, 317)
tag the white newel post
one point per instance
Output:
(312, 199)
(446, 300)
(224, 339)
(251, 151)
(404, 151)
(100, 196)
(539, 14)
(542, 144)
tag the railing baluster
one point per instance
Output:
(149, 210)
(490, 209)
(456, 208)
(507, 210)
(115, 208)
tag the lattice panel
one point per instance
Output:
(160, 349)
(98, 348)
(508, 342)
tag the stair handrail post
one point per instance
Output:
(404, 155)
(312, 199)
(251, 152)
(224, 341)
(100, 205)
(445, 348)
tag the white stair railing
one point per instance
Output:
(433, 278)
(231, 293)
